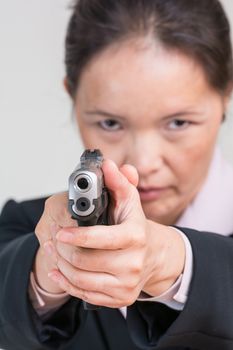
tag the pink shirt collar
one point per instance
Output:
(212, 208)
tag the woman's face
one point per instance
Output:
(153, 109)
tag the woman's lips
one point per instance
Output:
(151, 194)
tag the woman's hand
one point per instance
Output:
(111, 265)
(55, 217)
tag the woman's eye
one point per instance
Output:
(110, 125)
(178, 124)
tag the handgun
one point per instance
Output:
(88, 196)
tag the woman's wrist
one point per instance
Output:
(169, 262)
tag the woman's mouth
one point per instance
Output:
(151, 194)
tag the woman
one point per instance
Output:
(150, 82)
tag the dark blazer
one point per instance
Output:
(206, 323)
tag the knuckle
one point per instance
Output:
(41, 233)
(129, 300)
(85, 295)
(136, 267)
(48, 203)
(76, 259)
(131, 285)
(117, 304)
(66, 286)
(38, 229)
(73, 291)
(81, 282)
(85, 237)
(76, 280)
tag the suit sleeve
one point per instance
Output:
(20, 326)
(206, 321)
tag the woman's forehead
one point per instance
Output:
(142, 76)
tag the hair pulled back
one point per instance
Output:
(197, 28)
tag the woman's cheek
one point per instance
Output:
(191, 169)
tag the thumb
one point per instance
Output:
(121, 182)
(130, 173)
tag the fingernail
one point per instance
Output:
(48, 247)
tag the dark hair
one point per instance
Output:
(197, 28)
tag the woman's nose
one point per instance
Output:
(146, 155)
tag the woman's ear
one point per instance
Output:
(66, 86)
(227, 95)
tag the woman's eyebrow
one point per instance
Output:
(181, 114)
(100, 112)
(104, 114)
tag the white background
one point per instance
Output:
(39, 144)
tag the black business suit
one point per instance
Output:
(205, 323)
